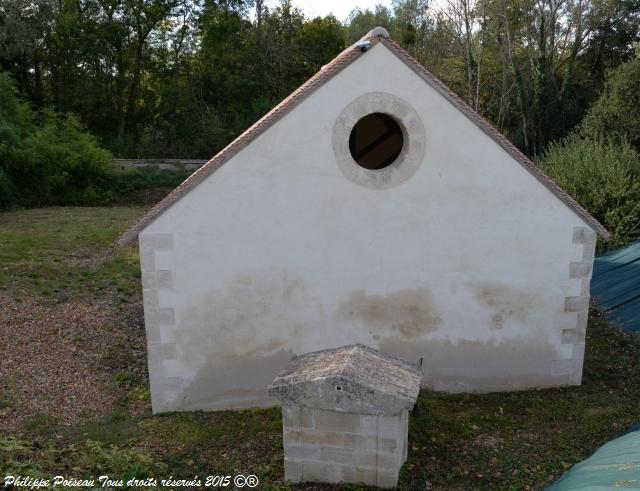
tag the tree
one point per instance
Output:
(361, 22)
(615, 113)
(25, 28)
(183, 77)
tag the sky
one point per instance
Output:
(339, 8)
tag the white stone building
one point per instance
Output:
(371, 206)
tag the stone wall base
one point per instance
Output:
(334, 447)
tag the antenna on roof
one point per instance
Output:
(365, 42)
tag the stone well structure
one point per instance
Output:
(345, 415)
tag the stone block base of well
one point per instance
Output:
(329, 446)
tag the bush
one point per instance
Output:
(45, 158)
(41, 459)
(615, 114)
(604, 177)
(48, 159)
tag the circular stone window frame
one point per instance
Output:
(413, 148)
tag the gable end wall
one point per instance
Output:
(470, 266)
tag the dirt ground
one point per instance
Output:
(58, 361)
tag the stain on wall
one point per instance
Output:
(476, 366)
(233, 340)
(507, 303)
(241, 317)
(233, 381)
(409, 313)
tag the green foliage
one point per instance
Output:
(90, 458)
(240, 72)
(603, 176)
(39, 422)
(362, 21)
(45, 159)
(4, 402)
(121, 462)
(125, 379)
(7, 198)
(17, 457)
(160, 78)
(129, 186)
(615, 114)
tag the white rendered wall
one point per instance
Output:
(465, 266)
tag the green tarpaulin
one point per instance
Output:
(615, 286)
(615, 466)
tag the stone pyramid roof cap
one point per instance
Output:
(352, 378)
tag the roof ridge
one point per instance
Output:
(348, 361)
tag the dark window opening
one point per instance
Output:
(376, 141)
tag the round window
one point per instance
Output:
(376, 140)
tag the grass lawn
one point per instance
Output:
(63, 253)
(61, 263)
